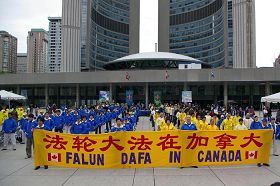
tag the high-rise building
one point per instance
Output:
(37, 50)
(21, 63)
(104, 30)
(8, 52)
(244, 33)
(209, 30)
(54, 50)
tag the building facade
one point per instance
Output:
(54, 49)
(105, 30)
(37, 51)
(244, 37)
(8, 52)
(21, 63)
(207, 30)
(244, 86)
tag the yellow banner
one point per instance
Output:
(152, 149)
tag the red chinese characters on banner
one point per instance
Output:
(224, 140)
(168, 142)
(142, 143)
(197, 141)
(111, 142)
(56, 142)
(84, 143)
(250, 139)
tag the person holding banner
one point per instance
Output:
(227, 124)
(29, 135)
(201, 125)
(212, 125)
(40, 126)
(256, 124)
(188, 125)
(118, 126)
(77, 127)
(85, 124)
(167, 125)
(276, 134)
(248, 120)
(241, 125)
(58, 121)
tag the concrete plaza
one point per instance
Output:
(15, 170)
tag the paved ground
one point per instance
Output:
(15, 170)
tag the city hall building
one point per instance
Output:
(146, 73)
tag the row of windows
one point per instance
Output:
(201, 41)
(200, 25)
(197, 14)
(186, 6)
(123, 5)
(109, 23)
(194, 35)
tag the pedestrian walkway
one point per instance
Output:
(16, 171)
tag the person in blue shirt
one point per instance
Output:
(128, 125)
(118, 126)
(85, 124)
(22, 123)
(48, 122)
(264, 126)
(31, 124)
(91, 123)
(276, 134)
(58, 121)
(256, 124)
(77, 127)
(220, 121)
(9, 128)
(188, 125)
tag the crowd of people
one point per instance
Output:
(19, 122)
(193, 117)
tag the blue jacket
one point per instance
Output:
(77, 129)
(256, 125)
(268, 126)
(23, 123)
(9, 126)
(69, 119)
(188, 127)
(29, 129)
(86, 127)
(48, 124)
(276, 131)
(220, 122)
(117, 129)
(58, 122)
(92, 125)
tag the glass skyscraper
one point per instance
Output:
(109, 29)
(202, 29)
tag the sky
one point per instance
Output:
(19, 16)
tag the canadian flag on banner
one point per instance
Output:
(251, 154)
(54, 157)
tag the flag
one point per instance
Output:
(127, 77)
(166, 75)
(54, 157)
(251, 154)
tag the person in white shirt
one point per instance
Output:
(241, 125)
(248, 120)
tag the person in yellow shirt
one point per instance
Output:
(227, 124)
(236, 119)
(201, 124)
(167, 125)
(212, 125)
(160, 121)
(20, 112)
(182, 117)
(194, 120)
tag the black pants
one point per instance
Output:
(58, 130)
